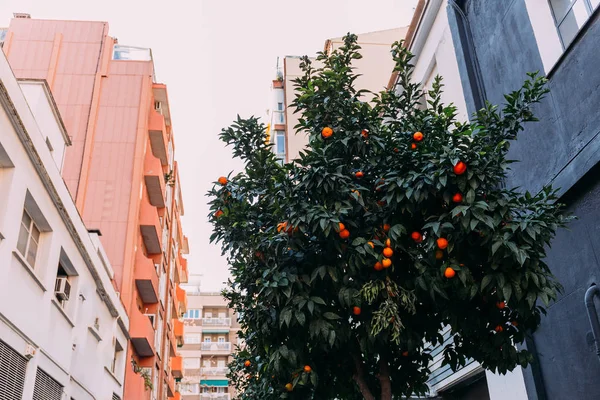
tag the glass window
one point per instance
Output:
(280, 106)
(29, 237)
(207, 339)
(192, 314)
(570, 15)
(192, 338)
(281, 120)
(280, 143)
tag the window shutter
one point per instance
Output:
(115, 397)
(46, 388)
(12, 373)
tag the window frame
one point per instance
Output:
(590, 10)
(29, 229)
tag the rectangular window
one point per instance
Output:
(116, 361)
(280, 143)
(192, 338)
(280, 106)
(207, 339)
(29, 237)
(570, 16)
(12, 372)
(191, 363)
(221, 339)
(46, 388)
(159, 334)
(192, 314)
(221, 363)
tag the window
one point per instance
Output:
(280, 142)
(162, 286)
(279, 106)
(46, 388)
(189, 388)
(192, 338)
(207, 339)
(221, 363)
(191, 363)
(12, 372)
(62, 288)
(192, 314)
(116, 361)
(29, 237)
(155, 384)
(159, 334)
(570, 15)
(221, 339)
(207, 314)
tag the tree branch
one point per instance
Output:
(359, 378)
(384, 379)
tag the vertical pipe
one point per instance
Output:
(593, 315)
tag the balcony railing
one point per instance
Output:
(215, 396)
(216, 346)
(216, 321)
(215, 371)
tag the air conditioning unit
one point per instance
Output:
(152, 318)
(62, 288)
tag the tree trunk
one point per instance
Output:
(359, 378)
(384, 379)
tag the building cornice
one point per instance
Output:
(42, 172)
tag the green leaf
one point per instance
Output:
(317, 300)
(330, 315)
(486, 281)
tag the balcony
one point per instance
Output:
(182, 299)
(216, 347)
(142, 333)
(177, 367)
(146, 278)
(170, 385)
(172, 345)
(178, 330)
(155, 180)
(150, 227)
(158, 136)
(215, 396)
(216, 322)
(215, 371)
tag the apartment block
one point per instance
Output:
(210, 339)
(374, 69)
(63, 329)
(121, 172)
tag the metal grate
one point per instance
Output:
(12, 373)
(46, 388)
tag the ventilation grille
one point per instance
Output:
(12, 373)
(46, 388)
(115, 397)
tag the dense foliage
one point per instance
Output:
(392, 225)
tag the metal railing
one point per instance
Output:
(216, 321)
(214, 371)
(216, 346)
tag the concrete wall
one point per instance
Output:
(511, 38)
(66, 343)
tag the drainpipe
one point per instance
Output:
(593, 315)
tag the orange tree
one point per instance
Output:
(391, 225)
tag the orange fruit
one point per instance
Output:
(499, 328)
(218, 213)
(223, 181)
(327, 132)
(359, 174)
(416, 236)
(371, 244)
(341, 227)
(289, 387)
(405, 353)
(388, 243)
(449, 273)
(442, 243)
(460, 168)
(365, 133)
(307, 369)
(457, 198)
(282, 226)
(501, 305)
(439, 254)
(387, 252)
(247, 363)
(413, 146)
(418, 136)
(378, 266)
(386, 263)
(396, 150)
(345, 234)
(356, 310)
(386, 227)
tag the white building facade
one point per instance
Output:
(63, 329)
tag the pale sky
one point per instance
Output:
(218, 59)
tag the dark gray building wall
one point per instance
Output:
(561, 149)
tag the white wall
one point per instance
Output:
(62, 337)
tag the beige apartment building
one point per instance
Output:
(374, 69)
(210, 339)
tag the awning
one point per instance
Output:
(215, 330)
(214, 382)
